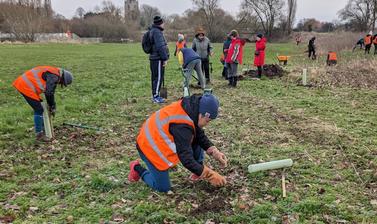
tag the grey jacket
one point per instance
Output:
(202, 48)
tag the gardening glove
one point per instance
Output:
(213, 177)
(257, 53)
(219, 156)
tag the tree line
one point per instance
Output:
(274, 18)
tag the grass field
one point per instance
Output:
(330, 133)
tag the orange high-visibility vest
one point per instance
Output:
(180, 45)
(155, 140)
(222, 57)
(332, 56)
(368, 40)
(375, 40)
(31, 83)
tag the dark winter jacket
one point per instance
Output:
(185, 138)
(226, 46)
(311, 45)
(160, 51)
(189, 55)
(51, 83)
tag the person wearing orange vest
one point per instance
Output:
(34, 82)
(331, 58)
(368, 43)
(375, 43)
(181, 43)
(173, 135)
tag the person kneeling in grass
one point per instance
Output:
(174, 134)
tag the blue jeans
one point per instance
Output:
(159, 180)
(38, 113)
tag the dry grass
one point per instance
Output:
(337, 41)
(357, 73)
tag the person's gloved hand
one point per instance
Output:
(213, 177)
(219, 156)
(257, 53)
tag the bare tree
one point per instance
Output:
(291, 15)
(146, 15)
(22, 21)
(208, 10)
(374, 15)
(268, 12)
(360, 14)
(80, 12)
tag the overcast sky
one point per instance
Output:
(323, 10)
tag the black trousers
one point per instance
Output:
(260, 69)
(225, 72)
(312, 54)
(205, 69)
(157, 76)
(367, 48)
(375, 48)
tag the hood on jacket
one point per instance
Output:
(191, 106)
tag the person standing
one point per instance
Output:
(234, 57)
(158, 57)
(260, 47)
(202, 45)
(368, 43)
(226, 46)
(38, 80)
(375, 44)
(312, 49)
(180, 44)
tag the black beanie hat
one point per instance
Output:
(157, 20)
(260, 35)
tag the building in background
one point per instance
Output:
(131, 10)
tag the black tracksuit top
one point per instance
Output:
(183, 134)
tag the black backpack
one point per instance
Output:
(147, 42)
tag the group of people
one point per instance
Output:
(175, 133)
(197, 57)
(366, 43)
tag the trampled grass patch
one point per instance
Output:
(330, 133)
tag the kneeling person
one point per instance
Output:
(34, 82)
(174, 134)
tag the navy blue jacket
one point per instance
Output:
(189, 55)
(160, 51)
(51, 82)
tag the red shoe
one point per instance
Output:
(133, 176)
(193, 177)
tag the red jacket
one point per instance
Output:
(260, 47)
(235, 52)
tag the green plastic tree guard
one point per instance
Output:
(270, 165)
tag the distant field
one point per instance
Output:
(330, 133)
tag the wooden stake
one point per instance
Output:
(283, 185)
(304, 77)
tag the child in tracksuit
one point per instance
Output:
(234, 57)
